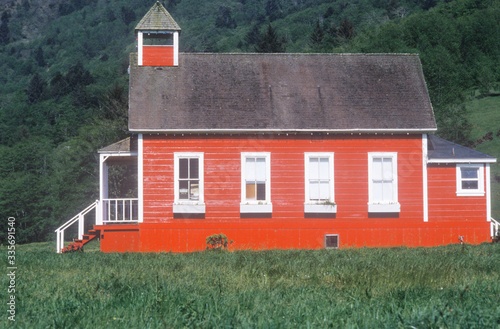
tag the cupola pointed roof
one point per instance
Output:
(158, 19)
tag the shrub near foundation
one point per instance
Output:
(217, 242)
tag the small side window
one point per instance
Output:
(470, 180)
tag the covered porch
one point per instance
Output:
(118, 198)
(118, 201)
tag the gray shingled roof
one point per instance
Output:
(157, 19)
(441, 150)
(281, 92)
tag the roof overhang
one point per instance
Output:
(282, 131)
(445, 161)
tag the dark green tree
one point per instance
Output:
(391, 7)
(36, 88)
(270, 42)
(58, 85)
(253, 36)
(40, 59)
(274, 9)
(317, 35)
(224, 18)
(4, 29)
(345, 30)
(128, 15)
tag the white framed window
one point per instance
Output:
(256, 182)
(470, 180)
(188, 183)
(383, 182)
(319, 183)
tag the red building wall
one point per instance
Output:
(288, 227)
(455, 215)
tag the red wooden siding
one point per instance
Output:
(288, 226)
(466, 214)
(158, 56)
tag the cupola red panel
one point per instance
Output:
(158, 56)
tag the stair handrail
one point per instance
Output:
(494, 227)
(80, 217)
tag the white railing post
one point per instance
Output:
(494, 226)
(62, 240)
(80, 218)
(58, 244)
(112, 213)
(81, 222)
(98, 212)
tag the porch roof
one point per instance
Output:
(127, 146)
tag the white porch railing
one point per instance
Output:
(80, 218)
(108, 211)
(494, 226)
(120, 210)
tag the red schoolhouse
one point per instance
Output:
(284, 151)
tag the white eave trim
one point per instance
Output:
(461, 160)
(118, 154)
(230, 131)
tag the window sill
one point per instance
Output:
(189, 208)
(470, 193)
(384, 207)
(256, 208)
(320, 208)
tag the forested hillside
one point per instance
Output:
(64, 83)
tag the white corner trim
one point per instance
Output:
(176, 48)
(140, 176)
(425, 191)
(488, 192)
(140, 44)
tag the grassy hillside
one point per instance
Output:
(484, 114)
(446, 287)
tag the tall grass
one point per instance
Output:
(443, 287)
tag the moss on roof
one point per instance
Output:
(157, 19)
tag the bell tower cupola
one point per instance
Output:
(157, 38)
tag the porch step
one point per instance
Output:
(77, 244)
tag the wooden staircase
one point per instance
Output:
(77, 244)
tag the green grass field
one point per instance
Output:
(485, 117)
(445, 287)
